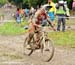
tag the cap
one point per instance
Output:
(61, 2)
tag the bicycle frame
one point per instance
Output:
(44, 34)
(46, 46)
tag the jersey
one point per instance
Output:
(39, 16)
(61, 9)
(53, 9)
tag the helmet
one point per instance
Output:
(46, 6)
(61, 2)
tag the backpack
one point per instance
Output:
(61, 9)
(60, 5)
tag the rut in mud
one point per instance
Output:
(11, 53)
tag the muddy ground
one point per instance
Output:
(11, 53)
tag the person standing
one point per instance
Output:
(26, 12)
(18, 16)
(52, 11)
(73, 7)
(61, 13)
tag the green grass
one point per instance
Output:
(63, 38)
(12, 28)
(60, 38)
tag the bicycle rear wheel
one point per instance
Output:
(47, 51)
(26, 50)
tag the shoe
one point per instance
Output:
(28, 47)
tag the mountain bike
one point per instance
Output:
(46, 46)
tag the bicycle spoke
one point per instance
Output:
(48, 51)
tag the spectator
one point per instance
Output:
(52, 11)
(26, 12)
(22, 14)
(73, 7)
(32, 11)
(61, 11)
(18, 16)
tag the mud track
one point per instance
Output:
(11, 53)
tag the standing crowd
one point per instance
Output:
(59, 10)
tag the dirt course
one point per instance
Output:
(11, 53)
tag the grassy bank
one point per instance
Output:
(63, 38)
(60, 38)
(12, 28)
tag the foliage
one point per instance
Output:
(11, 28)
(29, 3)
(34, 3)
(63, 38)
(18, 3)
(60, 38)
(3, 1)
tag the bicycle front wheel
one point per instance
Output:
(47, 50)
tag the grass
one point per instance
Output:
(12, 28)
(63, 38)
(60, 38)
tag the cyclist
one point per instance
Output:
(35, 25)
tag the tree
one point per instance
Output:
(3, 1)
(34, 3)
(18, 3)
